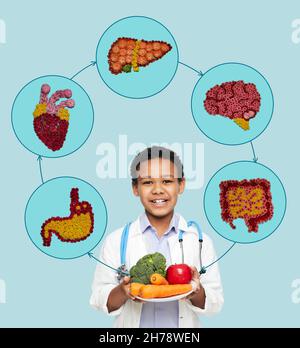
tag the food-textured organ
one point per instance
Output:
(51, 121)
(250, 200)
(76, 227)
(236, 100)
(127, 54)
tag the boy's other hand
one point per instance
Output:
(125, 286)
(195, 283)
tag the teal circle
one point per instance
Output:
(149, 80)
(239, 171)
(80, 123)
(222, 129)
(52, 199)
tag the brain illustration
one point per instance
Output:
(236, 100)
(250, 200)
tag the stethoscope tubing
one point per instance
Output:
(124, 240)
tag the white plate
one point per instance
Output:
(165, 299)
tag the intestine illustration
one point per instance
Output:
(250, 200)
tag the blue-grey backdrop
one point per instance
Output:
(61, 38)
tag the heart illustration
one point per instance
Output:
(51, 130)
(51, 121)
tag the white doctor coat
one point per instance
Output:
(128, 315)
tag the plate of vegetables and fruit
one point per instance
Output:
(152, 282)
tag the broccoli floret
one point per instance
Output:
(127, 68)
(146, 266)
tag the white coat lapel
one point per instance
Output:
(188, 244)
(174, 245)
(136, 247)
(175, 251)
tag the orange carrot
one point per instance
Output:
(158, 279)
(155, 291)
(135, 288)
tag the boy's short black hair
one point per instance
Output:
(152, 153)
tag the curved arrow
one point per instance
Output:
(255, 159)
(114, 269)
(227, 251)
(40, 158)
(80, 71)
(200, 73)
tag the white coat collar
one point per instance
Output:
(136, 227)
(137, 243)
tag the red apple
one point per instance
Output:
(179, 274)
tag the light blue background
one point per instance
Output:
(240, 171)
(53, 199)
(223, 129)
(257, 278)
(80, 122)
(150, 79)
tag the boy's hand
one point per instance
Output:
(195, 283)
(125, 286)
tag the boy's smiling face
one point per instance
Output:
(158, 186)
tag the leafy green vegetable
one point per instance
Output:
(127, 68)
(146, 266)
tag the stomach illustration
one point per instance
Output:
(78, 226)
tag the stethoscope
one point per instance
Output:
(122, 270)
